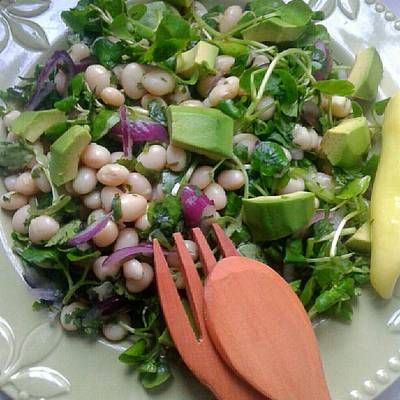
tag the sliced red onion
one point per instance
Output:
(91, 231)
(83, 64)
(39, 95)
(125, 253)
(59, 57)
(327, 63)
(137, 131)
(194, 204)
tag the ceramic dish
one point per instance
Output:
(37, 360)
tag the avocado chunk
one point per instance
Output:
(201, 130)
(366, 74)
(275, 217)
(65, 153)
(345, 144)
(201, 55)
(31, 124)
(361, 240)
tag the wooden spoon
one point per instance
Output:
(262, 331)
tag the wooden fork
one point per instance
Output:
(199, 354)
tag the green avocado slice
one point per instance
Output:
(31, 124)
(65, 153)
(361, 240)
(275, 217)
(201, 130)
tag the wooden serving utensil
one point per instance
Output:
(259, 326)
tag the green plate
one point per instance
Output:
(38, 360)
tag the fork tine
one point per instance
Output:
(206, 255)
(194, 287)
(225, 245)
(174, 313)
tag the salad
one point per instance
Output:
(166, 116)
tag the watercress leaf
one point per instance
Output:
(103, 122)
(135, 354)
(312, 34)
(380, 106)
(55, 207)
(121, 27)
(137, 11)
(168, 180)
(253, 251)
(233, 205)
(116, 207)
(165, 214)
(65, 233)
(294, 252)
(357, 109)
(82, 18)
(157, 111)
(155, 11)
(66, 104)
(245, 79)
(336, 87)
(108, 53)
(77, 84)
(14, 156)
(308, 291)
(76, 255)
(296, 13)
(229, 108)
(262, 7)
(322, 228)
(269, 159)
(161, 374)
(42, 257)
(237, 50)
(355, 188)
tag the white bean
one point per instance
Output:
(114, 331)
(154, 158)
(117, 155)
(95, 216)
(10, 117)
(107, 235)
(199, 8)
(95, 156)
(260, 60)
(294, 185)
(133, 269)
(92, 200)
(192, 103)
(341, 106)
(78, 52)
(136, 286)
(103, 272)
(41, 181)
(180, 94)
(20, 218)
(324, 180)
(224, 64)
(179, 280)
(42, 228)
(128, 237)
(231, 179)
(139, 184)
(306, 139)
(142, 223)
(159, 82)
(132, 81)
(176, 158)
(112, 97)
(66, 311)
(288, 154)
(173, 258)
(107, 195)
(202, 177)
(226, 89)
(25, 184)
(112, 175)
(85, 181)
(97, 77)
(267, 103)
(60, 81)
(132, 207)
(297, 154)
(230, 18)
(207, 83)
(216, 193)
(12, 201)
(9, 182)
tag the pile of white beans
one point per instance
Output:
(100, 177)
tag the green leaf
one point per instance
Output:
(116, 207)
(296, 13)
(108, 53)
(269, 159)
(54, 208)
(162, 374)
(157, 111)
(14, 156)
(42, 257)
(66, 104)
(135, 354)
(77, 84)
(294, 252)
(103, 122)
(355, 188)
(137, 11)
(75, 255)
(308, 291)
(380, 106)
(165, 214)
(65, 233)
(253, 251)
(233, 205)
(262, 7)
(336, 87)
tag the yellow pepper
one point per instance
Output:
(385, 206)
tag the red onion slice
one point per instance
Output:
(193, 205)
(125, 253)
(91, 231)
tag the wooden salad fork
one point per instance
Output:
(198, 353)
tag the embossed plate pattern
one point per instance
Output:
(40, 361)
